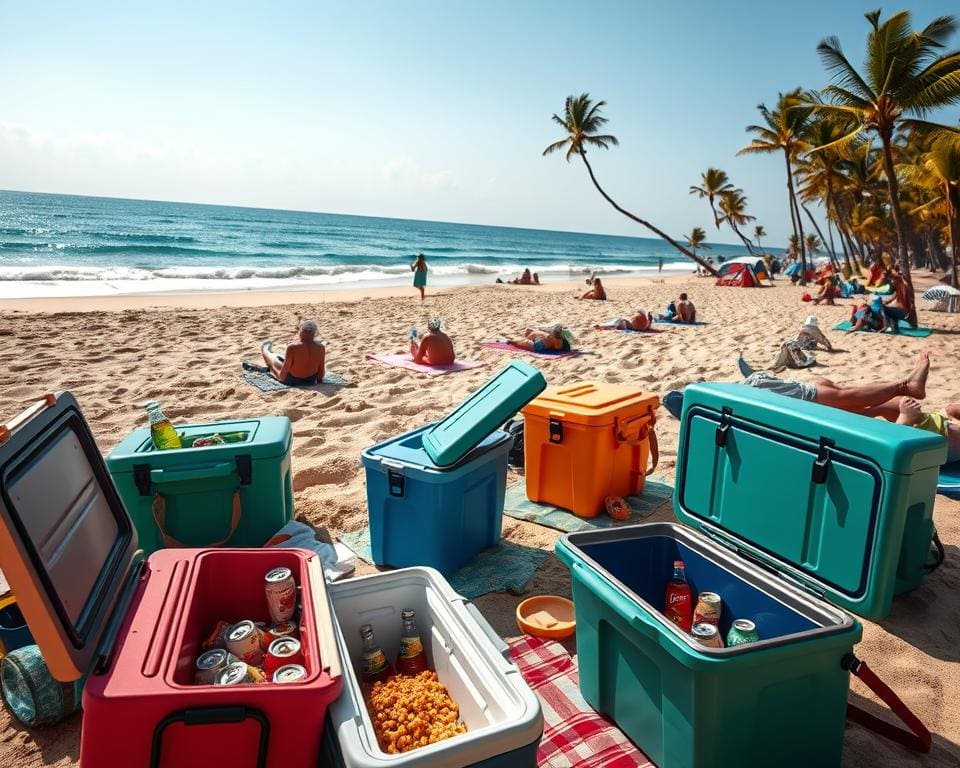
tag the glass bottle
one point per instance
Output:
(374, 667)
(161, 429)
(412, 659)
(678, 601)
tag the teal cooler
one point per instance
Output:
(795, 513)
(237, 494)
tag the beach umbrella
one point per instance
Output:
(945, 296)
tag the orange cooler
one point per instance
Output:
(587, 441)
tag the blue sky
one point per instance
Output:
(431, 109)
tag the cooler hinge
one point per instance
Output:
(720, 438)
(822, 463)
(108, 641)
(720, 538)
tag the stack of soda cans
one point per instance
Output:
(703, 622)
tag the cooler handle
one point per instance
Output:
(212, 716)
(223, 469)
(614, 598)
(646, 432)
(323, 619)
(47, 401)
(159, 509)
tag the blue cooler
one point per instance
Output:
(423, 514)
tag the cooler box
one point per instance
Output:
(502, 715)
(422, 514)
(587, 441)
(69, 550)
(238, 494)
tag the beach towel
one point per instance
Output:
(517, 505)
(905, 330)
(574, 735)
(266, 382)
(948, 484)
(510, 348)
(506, 567)
(633, 330)
(677, 322)
(405, 361)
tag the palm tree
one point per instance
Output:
(813, 244)
(733, 204)
(581, 120)
(713, 183)
(903, 74)
(783, 132)
(758, 232)
(697, 239)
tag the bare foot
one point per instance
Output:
(916, 383)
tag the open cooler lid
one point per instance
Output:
(592, 403)
(485, 410)
(66, 542)
(409, 450)
(795, 484)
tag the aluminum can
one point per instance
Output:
(708, 610)
(290, 673)
(281, 593)
(210, 664)
(245, 642)
(240, 673)
(707, 634)
(284, 651)
(280, 629)
(742, 631)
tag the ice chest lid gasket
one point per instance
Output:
(832, 459)
(67, 543)
(591, 403)
(452, 438)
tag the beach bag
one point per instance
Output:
(514, 428)
(793, 355)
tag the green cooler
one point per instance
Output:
(237, 494)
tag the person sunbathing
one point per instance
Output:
(639, 322)
(868, 317)
(686, 312)
(535, 340)
(304, 360)
(810, 336)
(597, 292)
(827, 293)
(434, 348)
(900, 306)
(942, 423)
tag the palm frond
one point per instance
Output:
(758, 149)
(837, 64)
(556, 146)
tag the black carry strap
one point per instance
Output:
(212, 716)
(917, 738)
(937, 554)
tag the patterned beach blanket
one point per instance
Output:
(265, 382)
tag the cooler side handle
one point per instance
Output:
(323, 619)
(212, 716)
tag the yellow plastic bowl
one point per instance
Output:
(547, 616)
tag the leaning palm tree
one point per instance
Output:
(713, 183)
(813, 244)
(903, 74)
(758, 232)
(582, 121)
(697, 239)
(733, 204)
(783, 132)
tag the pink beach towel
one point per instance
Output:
(574, 736)
(405, 361)
(510, 348)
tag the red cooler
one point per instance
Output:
(95, 606)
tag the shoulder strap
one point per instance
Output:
(917, 738)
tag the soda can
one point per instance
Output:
(707, 634)
(280, 629)
(285, 650)
(281, 591)
(239, 673)
(708, 610)
(290, 673)
(742, 631)
(210, 664)
(245, 642)
(218, 637)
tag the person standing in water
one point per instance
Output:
(419, 269)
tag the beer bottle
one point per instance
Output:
(162, 433)
(374, 667)
(412, 659)
(678, 601)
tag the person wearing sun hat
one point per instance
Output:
(810, 336)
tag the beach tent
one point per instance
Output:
(757, 264)
(739, 276)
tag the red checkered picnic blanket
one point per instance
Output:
(574, 736)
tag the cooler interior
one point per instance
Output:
(486, 702)
(229, 586)
(235, 432)
(641, 560)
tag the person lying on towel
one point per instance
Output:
(434, 348)
(942, 423)
(535, 340)
(304, 360)
(639, 322)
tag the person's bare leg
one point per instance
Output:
(270, 359)
(953, 411)
(889, 410)
(862, 398)
(521, 344)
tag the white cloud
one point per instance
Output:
(405, 173)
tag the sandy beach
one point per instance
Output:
(185, 350)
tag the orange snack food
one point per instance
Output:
(413, 711)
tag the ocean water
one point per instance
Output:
(64, 245)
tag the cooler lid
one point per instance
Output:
(592, 403)
(66, 542)
(795, 484)
(409, 450)
(449, 440)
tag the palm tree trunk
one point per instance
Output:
(833, 257)
(894, 189)
(798, 225)
(742, 238)
(647, 224)
(829, 204)
(953, 211)
(716, 218)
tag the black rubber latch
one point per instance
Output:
(214, 715)
(244, 468)
(822, 462)
(141, 477)
(397, 482)
(720, 438)
(556, 431)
